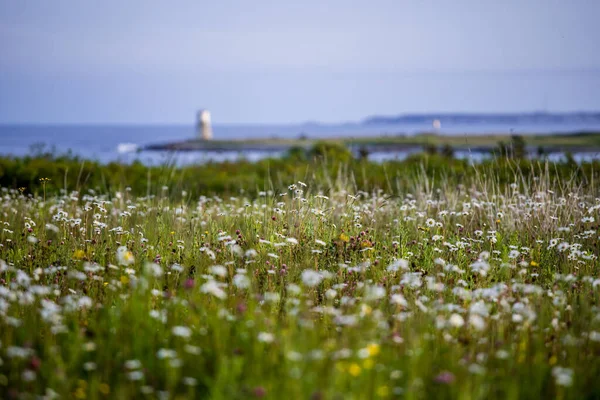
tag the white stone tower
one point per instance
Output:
(203, 125)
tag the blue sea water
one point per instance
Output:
(107, 143)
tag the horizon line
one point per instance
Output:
(314, 122)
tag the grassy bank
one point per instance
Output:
(326, 169)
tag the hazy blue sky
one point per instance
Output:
(288, 61)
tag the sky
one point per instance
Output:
(284, 61)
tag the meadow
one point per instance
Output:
(430, 278)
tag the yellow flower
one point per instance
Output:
(365, 309)
(104, 389)
(344, 238)
(340, 366)
(534, 264)
(80, 393)
(79, 254)
(383, 391)
(368, 363)
(354, 369)
(124, 279)
(498, 221)
(124, 256)
(373, 349)
(365, 243)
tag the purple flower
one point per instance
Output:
(445, 377)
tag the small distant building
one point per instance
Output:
(203, 126)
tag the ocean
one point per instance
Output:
(107, 143)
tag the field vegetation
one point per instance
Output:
(311, 277)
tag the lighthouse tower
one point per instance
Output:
(203, 125)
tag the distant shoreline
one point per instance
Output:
(550, 143)
(490, 118)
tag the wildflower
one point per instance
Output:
(354, 369)
(163, 353)
(373, 349)
(412, 280)
(133, 364)
(398, 264)
(218, 270)
(28, 375)
(383, 391)
(398, 299)
(124, 256)
(78, 254)
(192, 349)
(241, 281)
(456, 320)
(445, 377)
(259, 391)
(563, 376)
(214, 288)
(266, 337)
(311, 278)
(251, 253)
(396, 374)
(563, 246)
(135, 375)
(189, 381)
(502, 354)
(177, 268)
(153, 269)
(477, 322)
(89, 366)
(182, 331)
(480, 308)
(104, 389)
(476, 369)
